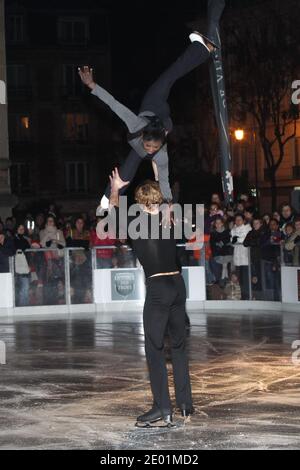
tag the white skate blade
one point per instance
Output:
(196, 37)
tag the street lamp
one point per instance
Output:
(239, 134)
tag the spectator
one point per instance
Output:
(216, 199)
(80, 260)
(214, 213)
(202, 256)
(233, 289)
(276, 216)
(221, 249)
(100, 237)
(266, 219)
(288, 255)
(240, 253)
(22, 279)
(124, 256)
(52, 211)
(255, 239)
(10, 227)
(292, 243)
(7, 249)
(271, 260)
(286, 216)
(249, 215)
(52, 238)
(240, 207)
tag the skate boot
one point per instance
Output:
(155, 418)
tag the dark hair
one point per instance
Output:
(155, 130)
(49, 216)
(275, 220)
(239, 214)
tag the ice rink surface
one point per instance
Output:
(79, 381)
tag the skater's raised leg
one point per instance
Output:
(156, 98)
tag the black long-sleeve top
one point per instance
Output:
(155, 255)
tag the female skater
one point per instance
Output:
(148, 130)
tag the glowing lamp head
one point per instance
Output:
(239, 134)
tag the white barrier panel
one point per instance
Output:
(121, 285)
(290, 284)
(6, 290)
(195, 283)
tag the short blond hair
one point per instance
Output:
(149, 194)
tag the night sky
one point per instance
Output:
(146, 36)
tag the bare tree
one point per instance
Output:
(262, 53)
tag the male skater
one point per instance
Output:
(164, 305)
(149, 129)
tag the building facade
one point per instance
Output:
(58, 138)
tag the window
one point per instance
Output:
(76, 177)
(15, 29)
(19, 128)
(75, 127)
(72, 85)
(73, 30)
(18, 79)
(20, 178)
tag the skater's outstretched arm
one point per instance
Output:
(162, 162)
(155, 170)
(133, 122)
(116, 184)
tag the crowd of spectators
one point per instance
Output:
(37, 245)
(242, 253)
(244, 250)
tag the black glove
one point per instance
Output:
(48, 244)
(234, 239)
(297, 239)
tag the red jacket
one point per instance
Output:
(105, 253)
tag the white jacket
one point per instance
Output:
(240, 253)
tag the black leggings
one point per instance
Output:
(156, 101)
(164, 311)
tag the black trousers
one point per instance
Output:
(164, 311)
(156, 101)
(243, 274)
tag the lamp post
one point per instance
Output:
(240, 135)
(256, 169)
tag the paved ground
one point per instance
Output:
(79, 382)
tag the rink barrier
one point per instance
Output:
(290, 291)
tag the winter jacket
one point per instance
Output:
(104, 253)
(220, 243)
(6, 250)
(255, 240)
(271, 248)
(49, 234)
(292, 244)
(240, 252)
(21, 242)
